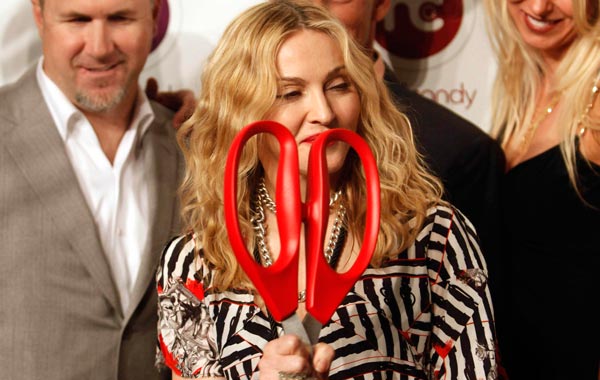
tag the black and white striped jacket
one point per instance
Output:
(426, 314)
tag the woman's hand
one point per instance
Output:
(182, 102)
(287, 358)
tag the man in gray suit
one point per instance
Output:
(89, 170)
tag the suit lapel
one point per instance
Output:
(163, 158)
(39, 152)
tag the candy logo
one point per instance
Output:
(162, 23)
(419, 29)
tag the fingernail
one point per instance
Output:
(320, 366)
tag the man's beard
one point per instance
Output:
(100, 103)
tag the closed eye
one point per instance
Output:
(118, 18)
(289, 95)
(341, 86)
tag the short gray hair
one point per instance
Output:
(42, 3)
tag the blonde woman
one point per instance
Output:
(546, 115)
(422, 308)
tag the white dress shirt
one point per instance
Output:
(118, 194)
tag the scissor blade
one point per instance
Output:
(312, 327)
(309, 336)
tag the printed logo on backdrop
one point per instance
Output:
(434, 30)
(162, 23)
(167, 30)
(423, 35)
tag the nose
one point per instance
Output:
(99, 41)
(541, 7)
(321, 111)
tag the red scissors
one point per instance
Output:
(278, 283)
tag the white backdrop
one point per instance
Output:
(438, 47)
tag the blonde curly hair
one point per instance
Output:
(239, 86)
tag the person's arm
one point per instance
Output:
(463, 337)
(185, 343)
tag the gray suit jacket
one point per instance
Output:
(60, 316)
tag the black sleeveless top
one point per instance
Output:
(551, 241)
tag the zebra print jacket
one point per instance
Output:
(427, 314)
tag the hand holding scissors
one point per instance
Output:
(278, 283)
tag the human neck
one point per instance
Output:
(552, 58)
(379, 68)
(110, 126)
(378, 64)
(270, 185)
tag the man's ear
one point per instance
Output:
(38, 16)
(155, 10)
(157, 5)
(381, 9)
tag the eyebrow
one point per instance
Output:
(332, 74)
(125, 12)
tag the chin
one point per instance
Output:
(100, 101)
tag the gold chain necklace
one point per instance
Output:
(527, 137)
(535, 123)
(263, 200)
(583, 119)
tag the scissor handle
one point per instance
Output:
(326, 288)
(277, 284)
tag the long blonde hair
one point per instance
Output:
(520, 72)
(239, 86)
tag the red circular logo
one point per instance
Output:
(162, 23)
(417, 29)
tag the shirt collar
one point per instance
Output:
(143, 116)
(66, 116)
(63, 112)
